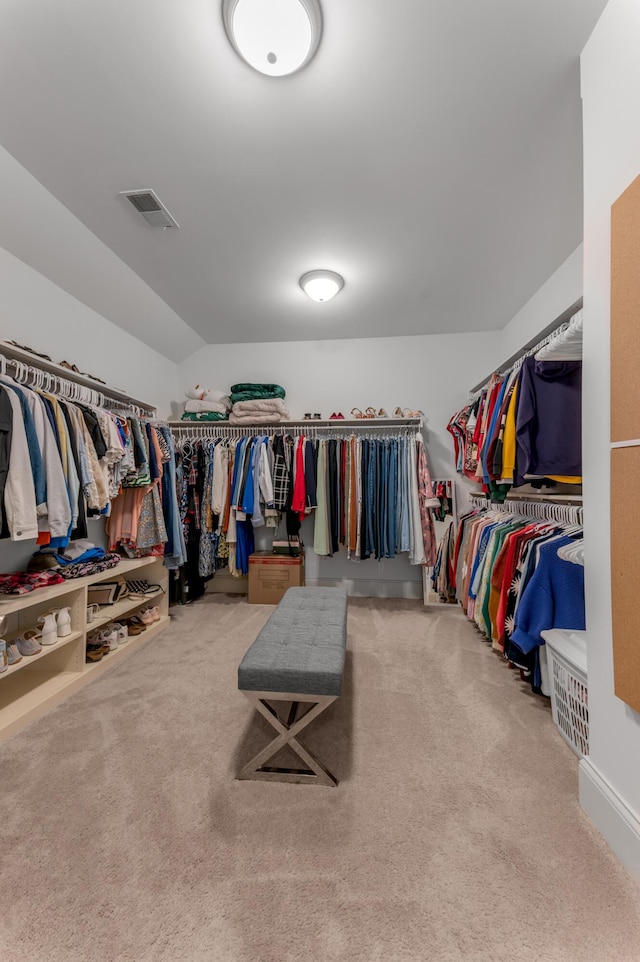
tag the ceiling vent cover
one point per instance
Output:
(151, 208)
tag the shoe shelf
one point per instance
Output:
(124, 650)
(39, 682)
(28, 661)
(122, 609)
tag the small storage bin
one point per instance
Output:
(567, 658)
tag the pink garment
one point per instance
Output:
(426, 500)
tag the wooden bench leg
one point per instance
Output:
(314, 772)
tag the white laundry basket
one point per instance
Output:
(567, 658)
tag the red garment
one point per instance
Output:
(299, 498)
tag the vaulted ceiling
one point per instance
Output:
(430, 153)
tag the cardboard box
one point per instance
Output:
(271, 575)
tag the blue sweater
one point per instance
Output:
(554, 598)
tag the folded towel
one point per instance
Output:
(261, 406)
(266, 417)
(251, 392)
(196, 407)
(204, 416)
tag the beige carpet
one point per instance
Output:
(455, 832)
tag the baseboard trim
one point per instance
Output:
(619, 824)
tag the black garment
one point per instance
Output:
(332, 493)
(6, 434)
(311, 473)
(80, 531)
(364, 469)
(93, 427)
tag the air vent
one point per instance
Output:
(150, 207)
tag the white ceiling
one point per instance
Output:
(431, 153)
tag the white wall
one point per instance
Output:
(431, 373)
(563, 289)
(37, 313)
(610, 781)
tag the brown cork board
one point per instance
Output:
(625, 315)
(625, 573)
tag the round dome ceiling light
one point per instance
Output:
(321, 285)
(275, 37)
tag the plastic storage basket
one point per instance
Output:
(567, 658)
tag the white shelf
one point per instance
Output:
(309, 422)
(11, 603)
(126, 648)
(39, 682)
(29, 660)
(120, 610)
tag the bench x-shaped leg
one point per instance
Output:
(288, 731)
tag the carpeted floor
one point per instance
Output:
(455, 832)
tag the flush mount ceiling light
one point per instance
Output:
(275, 37)
(321, 285)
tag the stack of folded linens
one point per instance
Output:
(258, 404)
(206, 405)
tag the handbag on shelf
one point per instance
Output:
(106, 592)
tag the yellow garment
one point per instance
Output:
(563, 479)
(509, 440)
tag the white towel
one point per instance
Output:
(199, 407)
(252, 417)
(261, 406)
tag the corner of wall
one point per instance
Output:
(618, 824)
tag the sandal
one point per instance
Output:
(357, 413)
(370, 413)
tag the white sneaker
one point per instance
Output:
(109, 637)
(121, 630)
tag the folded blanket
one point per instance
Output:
(251, 392)
(266, 417)
(204, 416)
(197, 407)
(262, 406)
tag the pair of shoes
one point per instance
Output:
(30, 350)
(149, 615)
(106, 638)
(56, 624)
(70, 367)
(13, 655)
(27, 643)
(135, 626)
(312, 417)
(407, 413)
(337, 417)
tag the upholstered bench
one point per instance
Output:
(298, 659)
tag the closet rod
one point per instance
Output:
(329, 425)
(532, 346)
(540, 510)
(542, 498)
(15, 356)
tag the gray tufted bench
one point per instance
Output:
(298, 659)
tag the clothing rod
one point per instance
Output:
(533, 345)
(560, 512)
(334, 424)
(14, 357)
(542, 498)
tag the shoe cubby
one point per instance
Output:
(39, 682)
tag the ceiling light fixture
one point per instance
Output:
(321, 285)
(275, 37)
